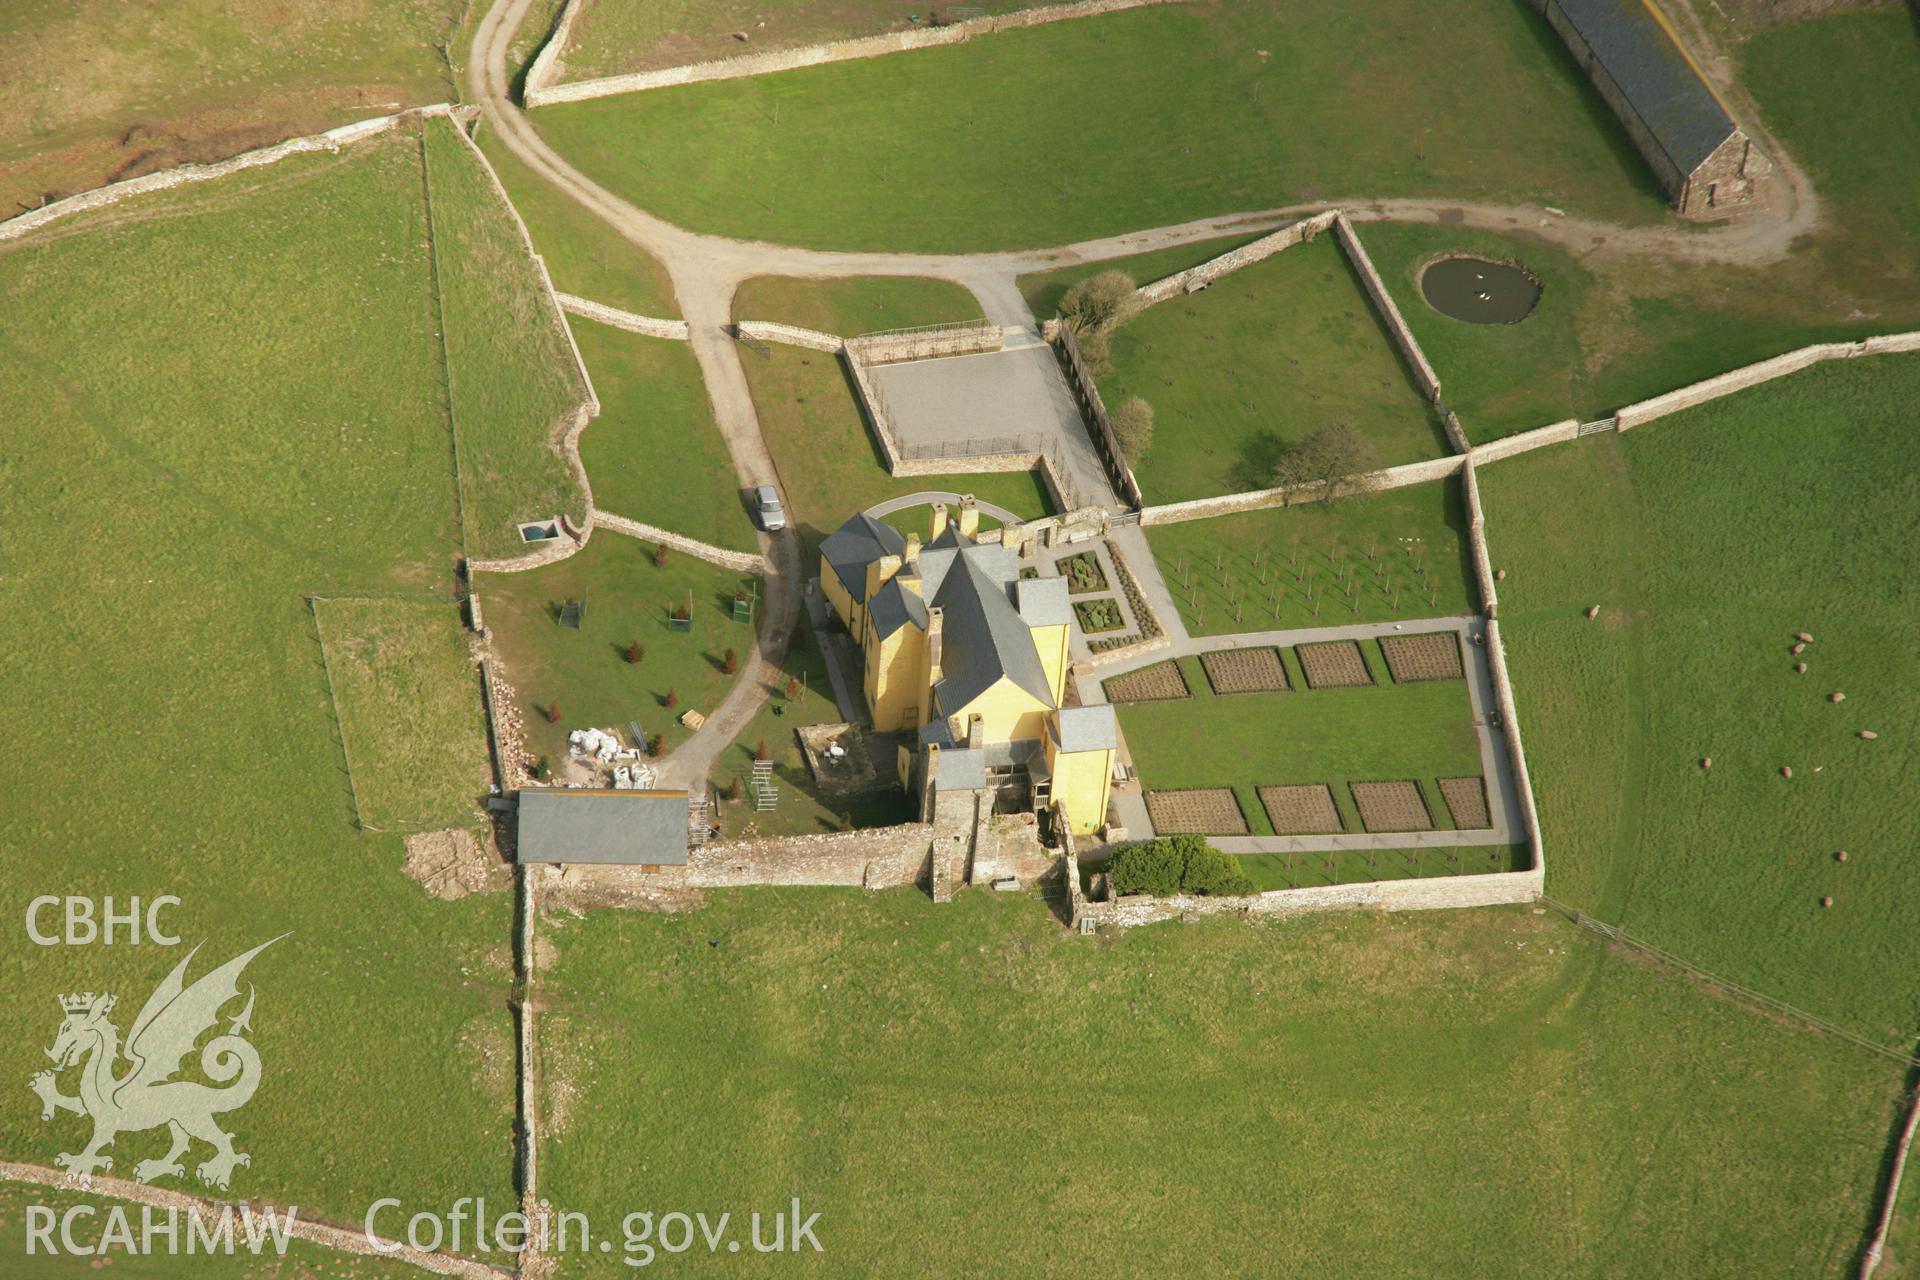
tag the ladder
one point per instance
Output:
(699, 830)
(765, 794)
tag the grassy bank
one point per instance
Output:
(853, 305)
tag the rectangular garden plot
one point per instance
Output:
(1333, 664)
(1391, 806)
(1161, 682)
(1210, 811)
(1467, 801)
(1433, 656)
(1099, 615)
(1301, 810)
(1244, 670)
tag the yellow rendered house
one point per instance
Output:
(971, 659)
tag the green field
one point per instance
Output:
(654, 453)
(411, 717)
(1290, 567)
(853, 305)
(514, 386)
(1259, 361)
(1436, 1094)
(95, 90)
(1709, 539)
(829, 464)
(1270, 871)
(236, 403)
(585, 670)
(1044, 289)
(1137, 119)
(585, 256)
(1379, 733)
(615, 36)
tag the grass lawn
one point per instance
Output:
(1262, 359)
(236, 403)
(1354, 866)
(411, 717)
(829, 464)
(1434, 1093)
(853, 305)
(654, 453)
(514, 386)
(1044, 289)
(1709, 539)
(585, 256)
(1379, 733)
(614, 36)
(585, 671)
(1158, 116)
(1417, 535)
(93, 90)
(801, 809)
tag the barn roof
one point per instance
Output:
(623, 827)
(1660, 82)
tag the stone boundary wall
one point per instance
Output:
(1890, 343)
(1554, 433)
(1434, 894)
(1260, 499)
(1752, 375)
(541, 90)
(650, 326)
(330, 141)
(1423, 374)
(870, 405)
(346, 1239)
(1233, 259)
(1516, 754)
(1477, 543)
(1104, 441)
(738, 561)
(1876, 1248)
(1456, 434)
(928, 344)
(871, 858)
(791, 335)
(557, 550)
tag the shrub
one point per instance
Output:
(1098, 303)
(635, 652)
(552, 712)
(793, 687)
(672, 699)
(760, 752)
(730, 663)
(1177, 864)
(1133, 426)
(660, 555)
(541, 768)
(657, 744)
(735, 789)
(680, 613)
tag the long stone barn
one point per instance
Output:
(1629, 50)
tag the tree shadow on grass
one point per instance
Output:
(1258, 457)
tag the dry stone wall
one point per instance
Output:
(738, 561)
(1554, 433)
(1432, 894)
(1246, 255)
(541, 89)
(1260, 499)
(873, 858)
(650, 326)
(927, 344)
(1725, 384)
(791, 335)
(1477, 544)
(1423, 374)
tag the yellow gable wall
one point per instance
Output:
(1008, 713)
(1051, 643)
(837, 595)
(896, 678)
(1081, 781)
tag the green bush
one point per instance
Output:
(1177, 864)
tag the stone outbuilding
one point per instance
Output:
(1630, 51)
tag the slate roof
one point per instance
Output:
(984, 638)
(961, 769)
(1087, 729)
(620, 827)
(857, 544)
(1664, 88)
(893, 607)
(1043, 602)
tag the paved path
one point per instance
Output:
(1496, 764)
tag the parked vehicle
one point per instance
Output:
(766, 504)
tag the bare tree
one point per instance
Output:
(1337, 458)
(1133, 425)
(1098, 303)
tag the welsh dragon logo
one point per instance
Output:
(147, 1094)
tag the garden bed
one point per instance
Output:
(1301, 810)
(1391, 806)
(1083, 573)
(1207, 811)
(1161, 682)
(1245, 670)
(1097, 616)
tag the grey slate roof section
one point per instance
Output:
(1088, 729)
(893, 607)
(938, 733)
(962, 770)
(984, 638)
(857, 544)
(608, 827)
(1043, 601)
(1677, 106)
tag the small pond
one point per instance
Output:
(1479, 291)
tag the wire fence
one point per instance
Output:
(1615, 933)
(974, 446)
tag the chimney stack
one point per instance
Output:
(939, 521)
(969, 517)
